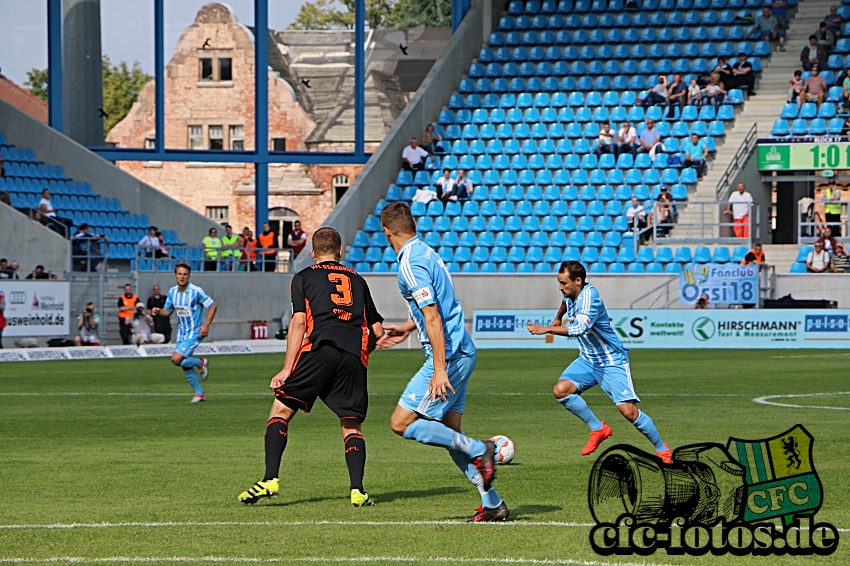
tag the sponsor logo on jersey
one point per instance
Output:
(183, 311)
(422, 295)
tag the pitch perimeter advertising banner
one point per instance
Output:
(677, 328)
(36, 308)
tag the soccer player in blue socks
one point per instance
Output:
(431, 407)
(189, 302)
(602, 360)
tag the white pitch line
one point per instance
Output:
(806, 356)
(264, 394)
(55, 526)
(316, 559)
(766, 400)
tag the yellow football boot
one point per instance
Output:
(269, 488)
(360, 499)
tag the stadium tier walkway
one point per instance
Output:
(762, 109)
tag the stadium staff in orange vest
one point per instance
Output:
(755, 256)
(126, 310)
(249, 257)
(267, 240)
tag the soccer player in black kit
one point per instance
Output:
(327, 352)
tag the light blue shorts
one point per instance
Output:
(416, 399)
(187, 347)
(615, 380)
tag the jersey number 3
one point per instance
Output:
(343, 296)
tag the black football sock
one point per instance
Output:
(277, 432)
(355, 459)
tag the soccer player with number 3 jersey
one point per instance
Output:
(602, 361)
(431, 407)
(327, 352)
(189, 302)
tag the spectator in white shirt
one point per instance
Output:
(605, 141)
(626, 140)
(739, 207)
(413, 156)
(638, 219)
(818, 259)
(424, 195)
(46, 208)
(150, 244)
(445, 186)
(463, 187)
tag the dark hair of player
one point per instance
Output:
(182, 264)
(326, 241)
(574, 269)
(396, 217)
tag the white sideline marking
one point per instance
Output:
(843, 354)
(317, 559)
(268, 394)
(766, 400)
(287, 524)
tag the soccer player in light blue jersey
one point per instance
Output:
(602, 361)
(189, 302)
(431, 407)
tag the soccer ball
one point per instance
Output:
(505, 449)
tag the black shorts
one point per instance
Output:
(338, 378)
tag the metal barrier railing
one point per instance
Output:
(815, 221)
(88, 253)
(737, 161)
(708, 224)
(200, 258)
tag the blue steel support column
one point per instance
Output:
(359, 77)
(54, 63)
(159, 73)
(261, 113)
(459, 10)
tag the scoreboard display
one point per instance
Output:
(804, 156)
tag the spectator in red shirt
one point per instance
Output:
(296, 239)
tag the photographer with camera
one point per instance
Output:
(88, 323)
(140, 324)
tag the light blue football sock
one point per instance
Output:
(194, 381)
(576, 405)
(434, 433)
(645, 425)
(191, 363)
(489, 499)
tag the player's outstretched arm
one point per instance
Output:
(297, 329)
(160, 311)
(439, 386)
(205, 327)
(395, 333)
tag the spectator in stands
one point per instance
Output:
(755, 257)
(665, 212)
(47, 209)
(6, 272)
(126, 310)
(703, 302)
(696, 153)
(87, 326)
(767, 27)
(812, 55)
(723, 70)
(149, 245)
(739, 207)
(827, 240)
(815, 88)
(445, 186)
(605, 141)
(677, 95)
(162, 251)
(161, 324)
(414, 157)
(249, 246)
(463, 187)
(45, 221)
(742, 75)
(140, 324)
(430, 139)
(845, 91)
(231, 251)
(212, 249)
(826, 40)
(15, 266)
(657, 94)
(638, 219)
(694, 94)
(296, 239)
(38, 273)
(426, 194)
(840, 261)
(714, 92)
(832, 207)
(650, 140)
(268, 243)
(795, 87)
(85, 249)
(779, 9)
(818, 259)
(833, 22)
(626, 140)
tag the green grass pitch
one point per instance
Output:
(107, 461)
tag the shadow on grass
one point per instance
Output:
(525, 511)
(416, 493)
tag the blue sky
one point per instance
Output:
(126, 29)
